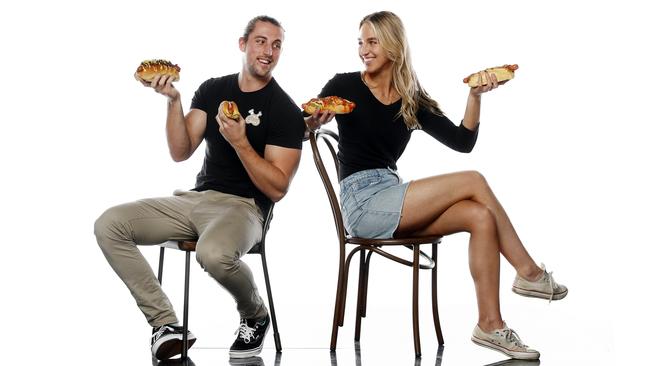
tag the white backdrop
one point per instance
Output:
(564, 146)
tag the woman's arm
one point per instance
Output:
(460, 138)
(473, 108)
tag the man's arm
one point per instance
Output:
(184, 133)
(273, 173)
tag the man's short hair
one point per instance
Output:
(260, 18)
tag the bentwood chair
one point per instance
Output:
(361, 245)
(189, 246)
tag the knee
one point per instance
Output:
(477, 178)
(109, 225)
(481, 218)
(218, 263)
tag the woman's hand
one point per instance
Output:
(318, 119)
(491, 83)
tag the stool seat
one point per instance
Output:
(184, 245)
(190, 246)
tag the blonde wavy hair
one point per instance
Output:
(391, 34)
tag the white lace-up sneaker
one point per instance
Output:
(504, 340)
(544, 288)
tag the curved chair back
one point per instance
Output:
(331, 140)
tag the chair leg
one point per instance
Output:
(186, 300)
(161, 261)
(434, 294)
(344, 288)
(360, 294)
(416, 318)
(335, 321)
(276, 333)
(340, 297)
(365, 285)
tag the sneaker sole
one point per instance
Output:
(172, 347)
(248, 353)
(539, 295)
(252, 352)
(507, 352)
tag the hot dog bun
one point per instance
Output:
(503, 73)
(148, 69)
(230, 109)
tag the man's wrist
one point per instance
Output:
(174, 99)
(242, 145)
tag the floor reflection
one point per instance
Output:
(174, 362)
(357, 357)
(250, 361)
(512, 362)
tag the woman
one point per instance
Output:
(376, 204)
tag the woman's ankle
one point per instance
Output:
(532, 273)
(490, 325)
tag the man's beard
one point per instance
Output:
(258, 72)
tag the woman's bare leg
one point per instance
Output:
(427, 199)
(475, 218)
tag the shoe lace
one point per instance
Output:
(551, 283)
(512, 336)
(245, 332)
(159, 333)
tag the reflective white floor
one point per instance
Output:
(384, 356)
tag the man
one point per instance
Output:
(248, 164)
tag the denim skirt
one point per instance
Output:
(371, 203)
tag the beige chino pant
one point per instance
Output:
(227, 226)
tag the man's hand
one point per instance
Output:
(162, 84)
(234, 131)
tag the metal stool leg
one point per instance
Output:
(161, 261)
(186, 301)
(276, 332)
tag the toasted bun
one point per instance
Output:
(503, 73)
(230, 109)
(150, 68)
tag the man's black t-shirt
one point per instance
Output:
(280, 124)
(372, 136)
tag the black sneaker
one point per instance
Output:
(167, 341)
(250, 337)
